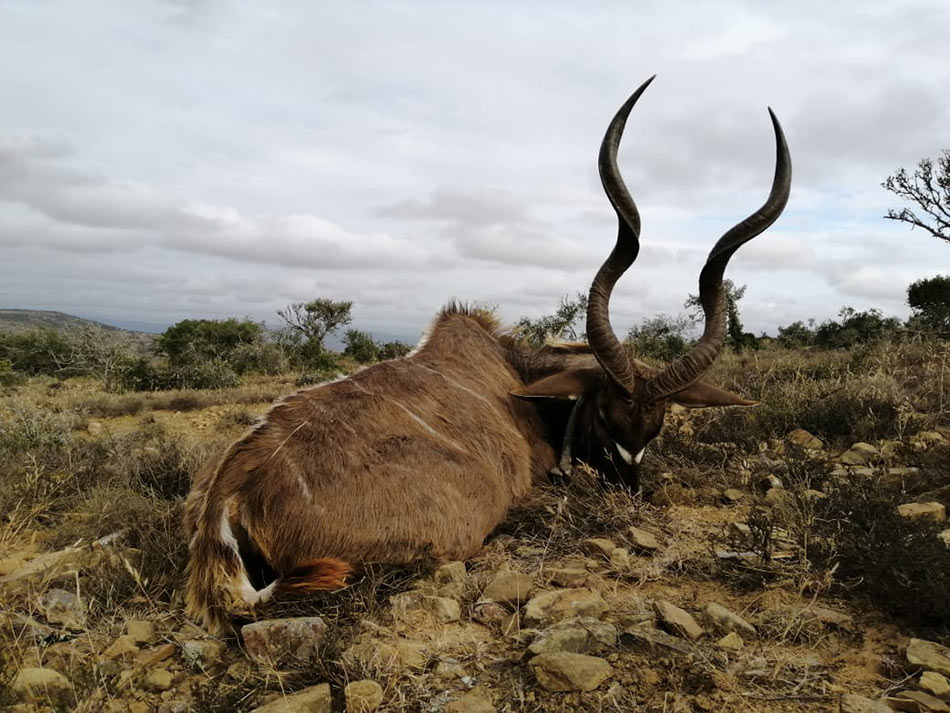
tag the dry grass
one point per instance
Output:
(63, 482)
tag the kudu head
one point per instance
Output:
(620, 402)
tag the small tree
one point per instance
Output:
(560, 325)
(930, 301)
(393, 350)
(855, 328)
(736, 336)
(929, 190)
(661, 337)
(797, 335)
(360, 346)
(316, 319)
(192, 340)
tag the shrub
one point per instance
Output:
(360, 346)
(898, 564)
(393, 350)
(193, 340)
(661, 337)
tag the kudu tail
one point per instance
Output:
(219, 589)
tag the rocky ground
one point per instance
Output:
(704, 596)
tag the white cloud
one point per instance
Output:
(188, 156)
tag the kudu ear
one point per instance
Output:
(702, 395)
(570, 384)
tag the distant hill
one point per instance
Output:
(26, 320)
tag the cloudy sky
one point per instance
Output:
(195, 158)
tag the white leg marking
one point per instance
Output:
(639, 456)
(224, 531)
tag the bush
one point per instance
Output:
(393, 350)
(898, 564)
(661, 337)
(193, 340)
(360, 346)
(856, 328)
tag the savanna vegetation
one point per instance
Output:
(816, 520)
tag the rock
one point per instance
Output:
(141, 631)
(443, 609)
(569, 577)
(561, 604)
(570, 672)
(803, 439)
(925, 701)
(202, 653)
(598, 546)
(935, 512)
(934, 684)
(731, 642)
(740, 530)
(488, 613)
(35, 682)
(315, 699)
(159, 679)
(362, 696)
(726, 621)
(473, 702)
(732, 495)
(654, 641)
(777, 496)
(450, 573)
(123, 647)
(768, 482)
(642, 540)
(580, 635)
(929, 655)
(853, 703)
(620, 559)
(509, 588)
(63, 607)
(809, 620)
(280, 642)
(154, 655)
(860, 454)
(390, 655)
(680, 621)
(899, 476)
(944, 536)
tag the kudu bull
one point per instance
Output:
(423, 456)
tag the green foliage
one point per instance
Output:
(42, 351)
(736, 337)
(661, 337)
(560, 325)
(929, 190)
(314, 320)
(930, 301)
(796, 335)
(89, 351)
(856, 328)
(193, 340)
(360, 346)
(393, 350)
